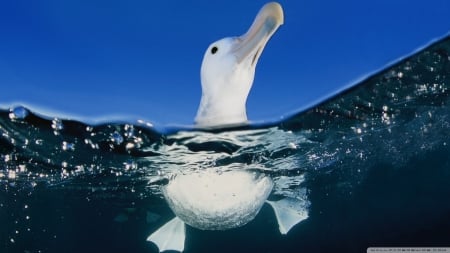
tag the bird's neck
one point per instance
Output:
(221, 110)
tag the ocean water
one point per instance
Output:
(373, 162)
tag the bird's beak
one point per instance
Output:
(252, 43)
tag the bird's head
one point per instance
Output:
(228, 70)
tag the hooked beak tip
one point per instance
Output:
(252, 43)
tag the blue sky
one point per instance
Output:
(141, 59)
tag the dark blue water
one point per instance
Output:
(373, 161)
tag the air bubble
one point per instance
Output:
(11, 174)
(57, 125)
(18, 113)
(385, 118)
(117, 138)
(129, 131)
(22, 168)
(129, 165)
(90, 143)
(67, 146)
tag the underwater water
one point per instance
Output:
(372, 162)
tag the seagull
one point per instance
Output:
(214, 199)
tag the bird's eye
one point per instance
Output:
(214, 50)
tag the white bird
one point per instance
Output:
(228, 70)
(213, 199)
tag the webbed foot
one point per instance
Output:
(289, 212)
(171, 236)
